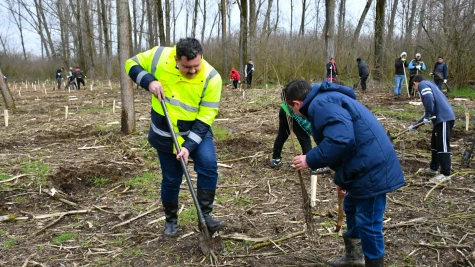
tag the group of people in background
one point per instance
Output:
(75, 77)
(235, 77)
(416, 66)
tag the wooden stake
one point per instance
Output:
(102, 104)
(45, 90)
(19, 92)
(113, 107)
(467, 120)
(313, 201)
(69, 89)
(91, 87)
(65, 112)
(5, 113)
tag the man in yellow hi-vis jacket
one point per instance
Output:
(191, 88)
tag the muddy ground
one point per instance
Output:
(108, 178)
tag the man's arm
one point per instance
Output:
(139, 68)
(428, 102)
(338, 138)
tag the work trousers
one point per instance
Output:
(440, 147)
(364, 219)
(205, 165)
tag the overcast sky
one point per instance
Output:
(9, 30)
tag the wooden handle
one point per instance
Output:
(339, 223)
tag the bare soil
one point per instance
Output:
(94, 166)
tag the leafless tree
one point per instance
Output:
(127, 92)
(305, 6)
(7, 95)
(356, 34)
(329, 29)
(222, 9)
(378, 39)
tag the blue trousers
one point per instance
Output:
(205, 165)
(364, 218)
(399, 80)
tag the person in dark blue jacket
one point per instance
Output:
(440, 72)
(354, 144)
(436, 104)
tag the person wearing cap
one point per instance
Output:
(400, 74)
(440, 72)
(363, 72)
(59, 76)
(353, 143)
(416, 66)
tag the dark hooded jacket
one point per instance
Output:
(351, 141)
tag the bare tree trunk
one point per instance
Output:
(291, 18)
(410, 28)
(40, 29)
(7, 95)
(252, 27)
(302, 22)
(243, 36)
(107, 45)
(378, 39)
(266, 24)
(204, 22)
(195, 18)
(223, 35)
(151, 37)
(161, 28)
(91, 48)
(357, 32)
(63, 33)
(341, 24)
(329, 29)
(167, 22)
(20, 28)
(43, 21)
(127, 92)
(391, 22)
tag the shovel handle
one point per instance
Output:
(202, 222)
(417, 125)
(339, 222)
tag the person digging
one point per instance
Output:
(353, 143)
(436, 104)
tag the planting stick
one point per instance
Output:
(467, 120)
(102, 104)
(113, 107)
(66, 112)
(313, 179)
(5, 113)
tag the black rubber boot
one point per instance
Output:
(374, 262)
(171, 217)
(206, 199)
(353, 254)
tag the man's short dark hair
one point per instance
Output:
(358, 59)
(419, 78)
(296, 90)
(188, 47)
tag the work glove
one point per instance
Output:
(427, 121)
(445, 80)
(403, 59)
(418, 67)
(411, 128)
(431, 74)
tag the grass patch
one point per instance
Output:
(99, 181)
(243, 201)
(463, 92)
(188, 216)
(220, 133)
(8, 243)
(39, 170)
(64, 237)
(146, 184)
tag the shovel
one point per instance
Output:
(405, 131)
(355, 86)
(210, 243)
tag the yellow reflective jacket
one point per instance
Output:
(191, 103)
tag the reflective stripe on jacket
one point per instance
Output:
(191, 103)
